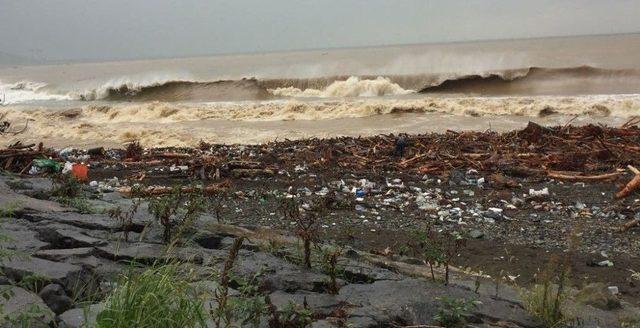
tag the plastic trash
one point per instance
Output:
(360, 193)
(68, 166)
(46, 163)
(65, 153)
(80, 172)
(542, 192)
(605, 263)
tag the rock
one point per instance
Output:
(411, 260)
(280, 274)
(362, 272)
(24, 307)
(59, 255)
(209, 287)
(598, 295)
(151, 253)
(322, 324)
(476, 234)
(61, 236)
(9, 198)
(67, 275)
(85, 221)
(54, 296)
(81, 317)
(20, 238)
(415, 302)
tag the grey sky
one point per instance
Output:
(119, 29)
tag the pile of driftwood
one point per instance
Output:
(17, 158)
(585, 153)
(573, 153)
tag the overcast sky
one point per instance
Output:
(119, 29)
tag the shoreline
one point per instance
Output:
(538, 186)
(520, 199)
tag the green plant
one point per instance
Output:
(215, 203)
(9, 209)
(306, 223)
(159, 296)
(292, 315)
(452, 244)
(547, 300)
(438, 248)
(630, 322)
(224, 314)
(68, 191)
(66, 186)
(249, 306)
(177, 209)
(453, 312)
(33, 282)
(79, 203)
(126, 217)
(330, 258)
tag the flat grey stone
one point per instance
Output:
(322, 324)
(280, 274)
(150, 253)
(476, 234)
(9, 197)
(85, 221)
(54, 272)
(59, 255)
(81, 317)
(361, 272)
(24, 304)
(61, 236)
(20, 238)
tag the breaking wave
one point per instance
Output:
(583, 80)
(542, 81)
(172, 90)
(26, 91)
(351, 87)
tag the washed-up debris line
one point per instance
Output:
(571, 153)
(582, 153)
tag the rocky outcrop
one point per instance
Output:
(23, 309)
(65, 250)
(19, 268)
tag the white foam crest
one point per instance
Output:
(159, 123)
(134, 83)
(352, 87)
(27, 91)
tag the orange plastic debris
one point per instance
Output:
(80, 172)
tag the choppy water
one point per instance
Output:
(162, 101)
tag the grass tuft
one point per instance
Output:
(157, 297)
